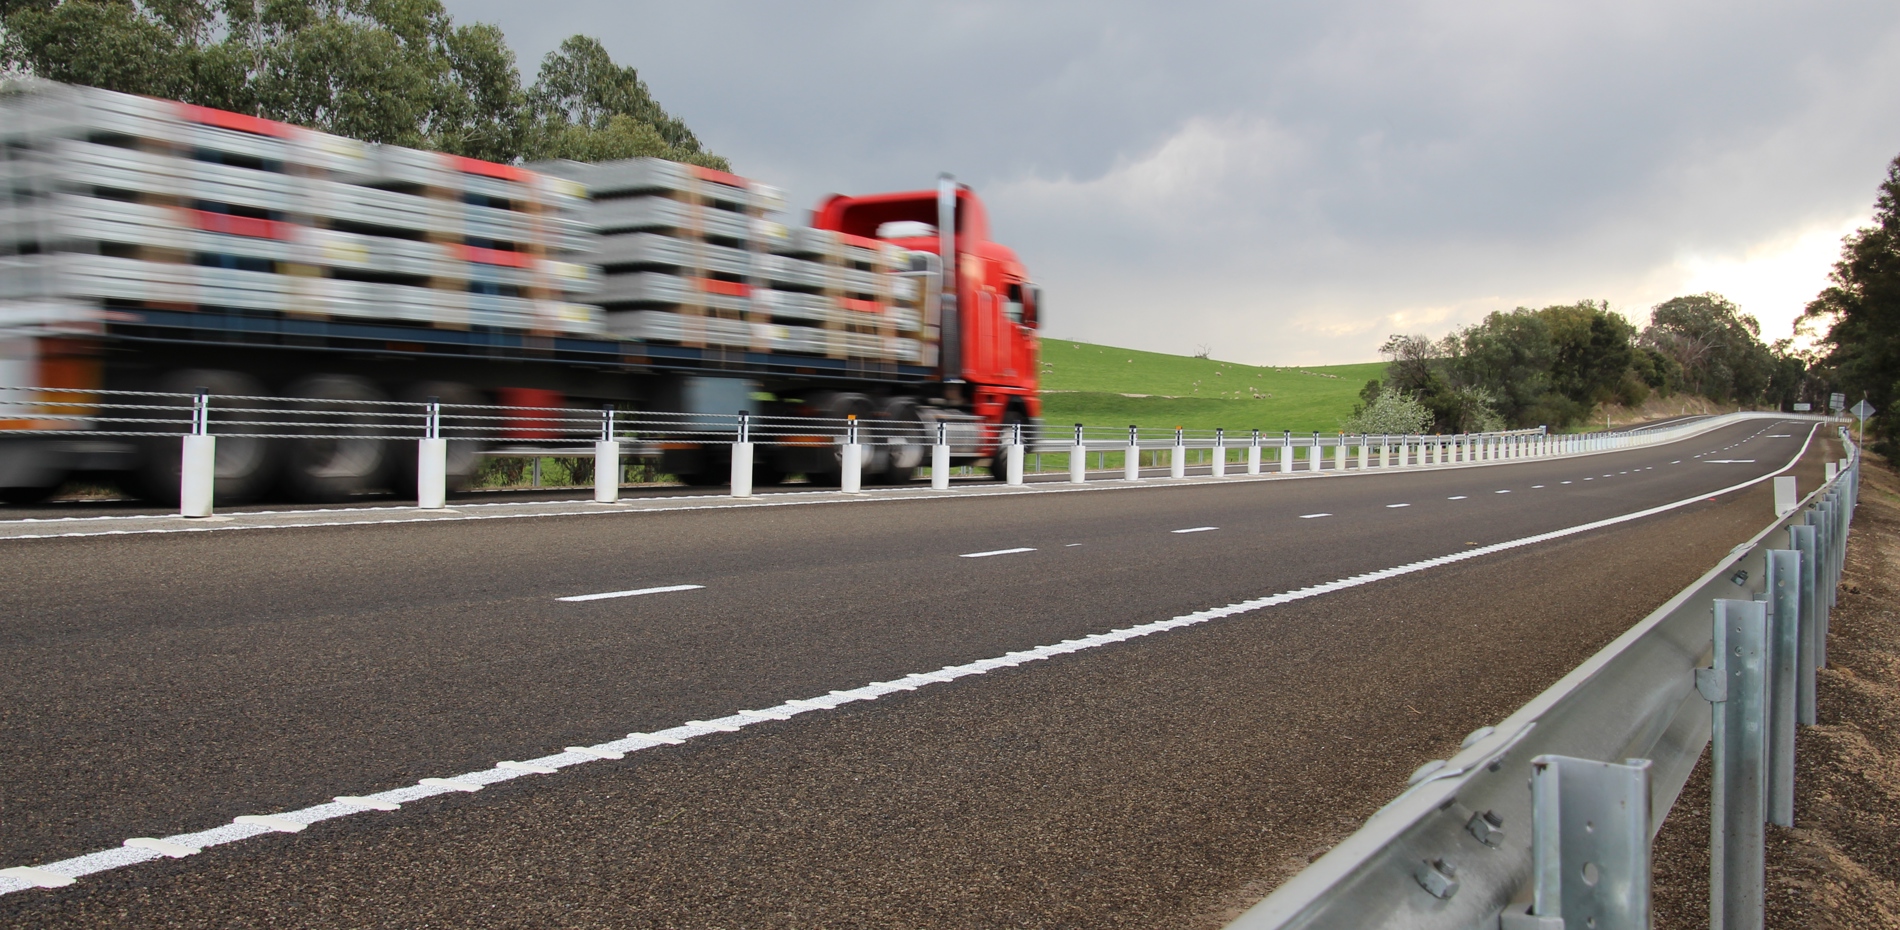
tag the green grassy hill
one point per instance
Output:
(1107, 386)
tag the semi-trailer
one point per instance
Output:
(152, 245)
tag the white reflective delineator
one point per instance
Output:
(432, 473)
(851, 465)
(1784, 495)
(198, 475)
(1177, 461)
(1220, 462)
(1131, 463)
(1078, 464)
(1253, 460)
(940, 467)
(1405, 453)
(1286, 457)
(1385, 452)
(1339, 454)
(1013, 465)
(1315, 455)
(741, 470)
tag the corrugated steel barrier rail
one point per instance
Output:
(1729, 660)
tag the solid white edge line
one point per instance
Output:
(985, 555)
(634, 593)
(62, 872)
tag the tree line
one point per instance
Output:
(394, 71)
(1553, 366)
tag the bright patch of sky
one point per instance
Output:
(1290, 183)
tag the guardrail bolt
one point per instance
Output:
(1488, 827)
(1438, 877)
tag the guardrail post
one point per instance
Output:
(1339, 454)
(1818, 517)
(1589, 845)
(1784, 658)
(940, 459)
(1177, 457)
(1785, 499)
(1131, 464)
(1078, 458)
(851, 463)
(1315, 453)
(1385, 451)
(432, 460)
(1220, 453)
(742, 450)
(198, 461)
(1804, 540)
(1253, 454)
(1286, 451)
(1736, 687)
(1013, 458)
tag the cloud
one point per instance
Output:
(1294, 182)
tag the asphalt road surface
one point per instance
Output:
(156, 685)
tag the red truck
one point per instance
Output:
(159, 283)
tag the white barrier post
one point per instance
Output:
(851, 473)
(1339, 454)
(1220, 452)
(1078, 459)
(1177, 457)
(198, 462)
(741, 460)
(1013, 459)
(1131, 465)
(1405, 451)
(1314, 453)
(1385, 451)
(940, 459)
(1286, 451)
(432, 460)
(1253, 455)
(1365, 451)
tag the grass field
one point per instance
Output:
(1107, 386)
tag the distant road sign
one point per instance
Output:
(1803, 407)
(1862, 409)
(1836, 401)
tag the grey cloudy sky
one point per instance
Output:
(1289, 183)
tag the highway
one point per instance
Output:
(164, 683)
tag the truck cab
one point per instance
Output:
(989, 311)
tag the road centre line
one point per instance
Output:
(1313, 516)
(1196, 529)
(63, 872)
(634, 593)
(985, 555)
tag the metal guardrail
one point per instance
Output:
(1607, 750)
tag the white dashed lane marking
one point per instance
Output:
(1196, 529)
(634, 593)
(985, 555)
(1458, 497)
(1313, 516)
(1391, 506)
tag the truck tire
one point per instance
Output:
(1012, 416)
(245, 465)
(906, 443)
(349, 462)
(465, 455)
(838, 405)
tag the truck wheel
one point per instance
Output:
(348, 462)
(465, 455)
(245, 465)
(838, 405)
(905, 442)
(1011, 417)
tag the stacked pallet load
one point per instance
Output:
(112, 200)
(693, 256)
